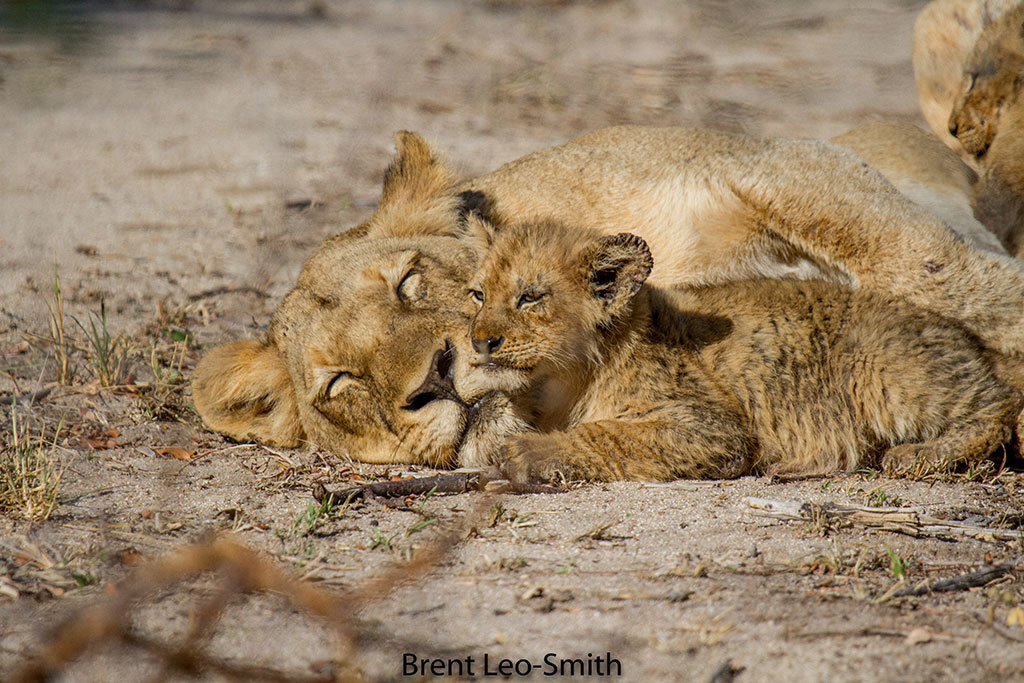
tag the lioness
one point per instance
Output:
(988, 120)
(357, 356)
(969, 68)
(945, 33)
(631, 382)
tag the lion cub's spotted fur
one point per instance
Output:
(626, 381)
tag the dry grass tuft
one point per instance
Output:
(61, 346)
(107, 353)
(30, 469)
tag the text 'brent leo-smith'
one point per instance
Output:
(486, 665)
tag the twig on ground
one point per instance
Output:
(452, 482)
(789, 478)
(217, 291)
(598, 532)
(28, 397)
(847, 633)
(959, 583)
(900, 520)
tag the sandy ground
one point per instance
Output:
(178, 161)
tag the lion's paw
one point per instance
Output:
(533, 460)
(910, 460)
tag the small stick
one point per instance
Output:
(217, 291)
(452, 482)
(28, 397)
(959, 583)
(908, 521)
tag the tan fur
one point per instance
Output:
(970, 87)
(242, 389)
(988, 119)
(718, 381)
(944, 35)
(714, 207)
(809, 209)
(926, 172)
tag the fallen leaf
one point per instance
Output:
(105, 438)
(176, 453)
(128, 387)
(918, 635)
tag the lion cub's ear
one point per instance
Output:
(477, 233)
(243, 389)
(616, 267)
(419, 192)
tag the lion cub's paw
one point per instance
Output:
(533, 459)
(913, 460)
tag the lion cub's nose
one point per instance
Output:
(489, 345)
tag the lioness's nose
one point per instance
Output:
(489, 345)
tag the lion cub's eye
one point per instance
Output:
(477, 296)
(339, 383)
(530, 298)
(411, 287)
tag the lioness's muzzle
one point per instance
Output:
(439, 384)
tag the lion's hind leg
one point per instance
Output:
(968, 439)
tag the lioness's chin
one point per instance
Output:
(429, 436)
(494, 420)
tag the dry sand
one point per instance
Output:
(179, 160)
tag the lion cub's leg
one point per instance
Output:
(669, 443)
(964, 441)
(967, 401)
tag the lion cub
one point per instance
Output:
(625, 381)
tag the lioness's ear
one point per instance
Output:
(243, 389)
(477, 233)
(616, 268)
(419, 192)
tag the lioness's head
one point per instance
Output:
(547, 295)
(993, 82)
(359, 357)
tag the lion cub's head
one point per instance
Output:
(548, 296)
